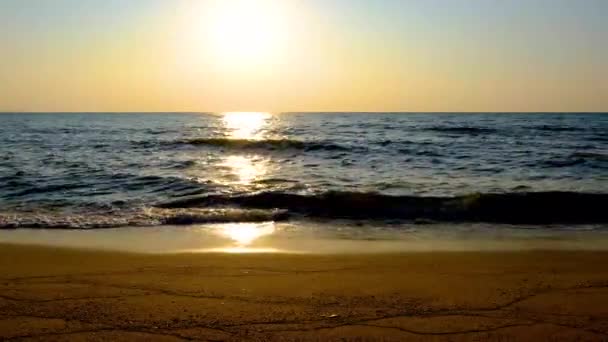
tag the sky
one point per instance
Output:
(304, 55)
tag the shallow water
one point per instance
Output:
(318, 238)
(115, 170)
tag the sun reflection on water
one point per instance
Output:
(250, 126)
(246, 125)
(244, 234)
(245, 169)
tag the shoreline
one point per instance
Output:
(51, 293)
(303, 238)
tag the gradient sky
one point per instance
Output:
(303, 55)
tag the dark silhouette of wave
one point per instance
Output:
(512, 208)
(577, 158)
(555, 128)
(463, 130)
(591, 156)
(264, 144)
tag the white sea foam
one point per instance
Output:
(140, 218)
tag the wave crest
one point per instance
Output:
(143, 218)
(514, 208)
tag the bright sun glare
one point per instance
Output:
(250, 126)
(246, 31)
(245, 125)
(244, 168)
(243, 234)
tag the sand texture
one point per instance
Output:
(53, 294)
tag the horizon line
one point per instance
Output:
(306, 112)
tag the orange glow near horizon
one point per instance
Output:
(301, 56)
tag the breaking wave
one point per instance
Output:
(143, 218)
(513, 208)
(509, 208)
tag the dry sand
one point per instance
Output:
(63, 294)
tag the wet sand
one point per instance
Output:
(67, 294)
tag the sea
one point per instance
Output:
(345, 176)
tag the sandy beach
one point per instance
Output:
(315, 170)
(69, 294)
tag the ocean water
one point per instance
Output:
(129, 170)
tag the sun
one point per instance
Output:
(234, 44)
(247, 32)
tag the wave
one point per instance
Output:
(462, 130)
(564, 162)
(577, 158)
(555, 128)
(600, 138)
(264, 144)
(15, 188)
(185, 164)
(591, 156)
(48, 188)
(143, 218)
(512, 208)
